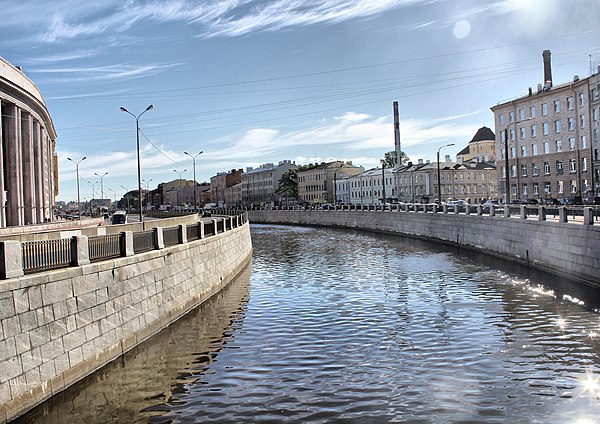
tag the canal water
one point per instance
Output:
(351, 327)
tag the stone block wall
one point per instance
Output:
(59, 326)
(569, 249)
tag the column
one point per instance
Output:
(37, 171)
(13, 155)
(27, 158)
(2, 185)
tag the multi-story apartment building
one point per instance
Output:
(233, 195)
(545, 137)
(318, 184)
(367, 187)
(594, 85)
(219, 185)
(260, 184)
(413, 181)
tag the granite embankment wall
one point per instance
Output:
(569, 249)
(59, 326)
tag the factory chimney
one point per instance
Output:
(547, 70)
(397, 133)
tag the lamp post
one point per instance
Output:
(139, 167)
(179, 191)
(195, 182)
(101, 183)
(77, 170)
(148, 191)
(383, 180)
(439, 172)
(127, 194)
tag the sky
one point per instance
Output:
(250, 82)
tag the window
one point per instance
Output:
(572, 165)
(533, 130)
(545, 128)
(512, 134)
(571, 144)
(503, 172)
(513, 171)
(556, 106)
(560, 187)
(571, 124)
(532, 111)
(583, 142)
(544, 109)
(546, 168)
(584, 164)
(513, 152)
(559, 167)
(573, 186)
(502, 136)
(522, 131)
(511, 116)
(557, 126)
(582, 120)
(524, 189)
(595, 113)
(570, 103)
(546, 147)
(547, 189)
(501, 119)
(581, 98)
(595, 135)
(536, 188)
(523, 170)
(535, 170)
(558, 146)
(523, 151)
(521, 114)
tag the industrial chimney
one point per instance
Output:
(547, 69)
(397, 133)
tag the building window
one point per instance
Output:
(572, 165)
(512, 134)
(570, 103)
(584, 164)
(582, 121)
(513, 152)
(511, 116)
(573, 186)
(583, 142)
(544, 109)
(546, 147)
(536, 188)
(571, 124)
(522, 130)
(513, 171)
(595, 113)
(501, 119)
(523, 151)
(586, 186)
(524, 189)
(558, 146)
(546, 168)
(532, 111)
(556, 106)
(547, 189)
(533, 130)
(535, 170)
(534, 149)
(560, 187)
(523, 170)
(545, 128)
(557, 126)
(521, 114)
(571, 144)
(559, 167)
(581, 99)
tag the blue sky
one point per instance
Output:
(250, 82)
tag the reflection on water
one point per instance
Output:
(342, 326)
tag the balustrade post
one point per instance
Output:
(479, 210)
(507, 210)
(562, 214)
(492, 210)
(523, 211)
(127, 243)
(11, 259)
(159, 242)
(201, 229)
(435, 208)
(588, 216)
(541, 213)
(182, 229)
(80, 253)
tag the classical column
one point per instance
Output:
(27, 158)
(2, 188)
(37, 171)
(13, 156)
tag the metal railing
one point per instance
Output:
(209, 228)
(171, 236)
(193, 232)
(105, 247)
(44, 255)
(143, 241)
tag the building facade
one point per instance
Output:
(318, 184)
(594, 85)
(259, 185)
(29, 174)
(544, 143)
(220, 184)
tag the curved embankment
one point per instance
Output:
(59, 326)
(569, 249)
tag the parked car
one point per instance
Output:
(591, 200)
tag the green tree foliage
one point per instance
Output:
(288, 184)
(390, 158)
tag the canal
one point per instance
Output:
(341, 326)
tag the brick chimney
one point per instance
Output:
(547, 69)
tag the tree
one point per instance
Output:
(288, 184)
(390, 158)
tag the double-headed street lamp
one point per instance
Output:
(137, 126)
(439, 172)
(195, 182)
(127, 193)
(77, 169)
(101, 183)
(148, 191)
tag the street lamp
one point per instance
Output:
(383, 180)
(127, 193)
(101, 183)
(139, 167)
(195, 183)
(439, 172)
(77, 169)
(148, 191)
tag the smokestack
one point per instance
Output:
(397, 133)
(547, 68)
